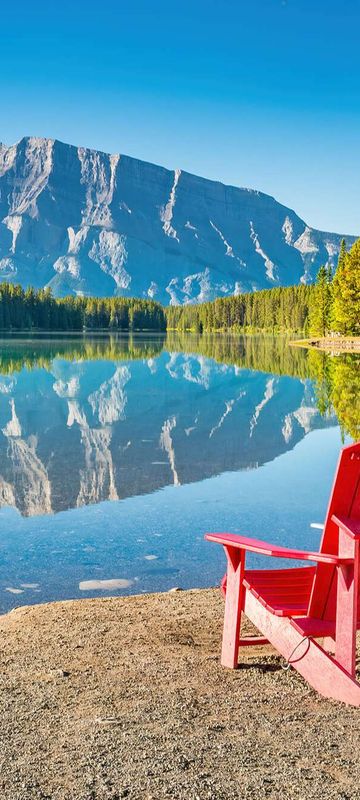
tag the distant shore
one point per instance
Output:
(125, 698)
(332, 344)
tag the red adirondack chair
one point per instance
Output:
(292, 608)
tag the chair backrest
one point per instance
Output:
(344, 501)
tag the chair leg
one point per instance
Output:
(233, 606)
(346, 605)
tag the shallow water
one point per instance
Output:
(117, 454)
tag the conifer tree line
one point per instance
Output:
(332, 304)
(29, 309)
(273, 310)
(335, 305)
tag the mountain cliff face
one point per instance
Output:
(84, 222)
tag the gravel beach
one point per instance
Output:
(125, 698)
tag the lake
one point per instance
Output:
(117, 453)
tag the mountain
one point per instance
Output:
(85, 222)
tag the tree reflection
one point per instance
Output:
(336, 378)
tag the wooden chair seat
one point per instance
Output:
(284, 592)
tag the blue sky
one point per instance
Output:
(259, 93)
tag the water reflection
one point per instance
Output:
(336, 378)
(87, 420)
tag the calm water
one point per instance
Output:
(117, 454)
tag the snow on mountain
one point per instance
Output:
(85, 222)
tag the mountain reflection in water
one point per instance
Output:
(91, 419)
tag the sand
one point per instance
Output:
(125, 697)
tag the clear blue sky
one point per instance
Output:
(259, 93)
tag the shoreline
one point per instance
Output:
(124, 697)
(330, 344)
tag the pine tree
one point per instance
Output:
(320, 306)
(338, 310)
(346, 292)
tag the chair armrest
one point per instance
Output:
(267, 549)
(350, 526)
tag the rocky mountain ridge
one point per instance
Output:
(85, 222)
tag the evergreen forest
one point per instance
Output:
(331, 305)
